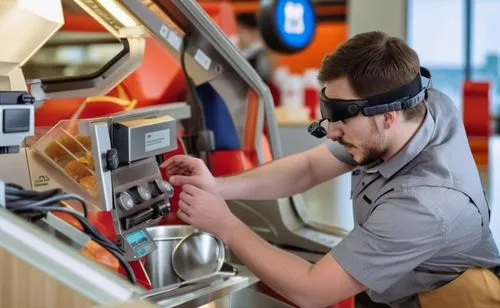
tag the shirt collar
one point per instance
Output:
(416, 144)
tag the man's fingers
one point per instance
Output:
(178, 171)
(184, 196)
(185, 207)
(183, 216)
(190, 188)
(181, 180)
(178, 160)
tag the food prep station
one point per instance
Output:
(112, 163)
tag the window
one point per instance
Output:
(436, 32)
(486, 48)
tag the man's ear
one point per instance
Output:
(389, 119)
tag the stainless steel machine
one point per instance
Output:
(211, 57)
(208, 56)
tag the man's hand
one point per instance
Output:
(205, 211)
(183, 169)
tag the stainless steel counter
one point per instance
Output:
(197, 296)
(246, 298)
(239, 291)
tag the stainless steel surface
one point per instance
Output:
(278, 222)
(128, 177)
(248, 297)
(328, 202)
(178, 111)
(165, 187)
(138, 137)
(159, 263)
(125, 201)
(63, 263)
(196, 283)
(216, 290)
(143, 137)
(198, 254)
(101, 142)
(63, 231)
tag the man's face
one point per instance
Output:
(246, 36)
(363, 137)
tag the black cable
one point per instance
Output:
(93, 233)
(26, 204)
(21, 201)
(13, 185)
(20, 198)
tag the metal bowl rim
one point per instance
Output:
(220, 244)
(170, 238)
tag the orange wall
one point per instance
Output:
(328, 37)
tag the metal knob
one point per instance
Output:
(125, 201)
(144, 192)
(165, 187)
(112, 161)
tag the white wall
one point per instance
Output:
(384, 15)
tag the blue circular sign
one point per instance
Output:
(295, 22)
(287, 25)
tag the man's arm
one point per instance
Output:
(320, 285)
(284, 177)
(306, 285)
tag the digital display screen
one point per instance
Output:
(140, 242)
(137, 238)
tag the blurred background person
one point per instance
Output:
(252, 46)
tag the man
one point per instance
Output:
(251, 45)
(421, 237)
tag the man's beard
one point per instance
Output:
(371, 155)
(375, 148)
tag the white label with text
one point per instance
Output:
(157, 140)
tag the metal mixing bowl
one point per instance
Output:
(158, 264)
(198, 254)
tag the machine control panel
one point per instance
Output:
(143, 192)
(165, 187)
(140, 242)
(125, 201)
(141, 199)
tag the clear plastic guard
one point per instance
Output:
(67, 147)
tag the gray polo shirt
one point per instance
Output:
(421, 218)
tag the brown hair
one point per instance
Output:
(374, 63)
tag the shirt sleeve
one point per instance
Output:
(401, 233)
(340, 152)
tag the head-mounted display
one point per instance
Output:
(405, 97)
